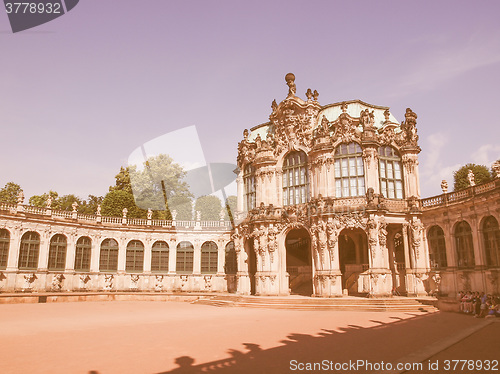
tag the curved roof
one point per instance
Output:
(354, 108)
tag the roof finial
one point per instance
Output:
(290, 81)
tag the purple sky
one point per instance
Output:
(79, 94)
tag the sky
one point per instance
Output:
(79, 94)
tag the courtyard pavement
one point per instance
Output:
(155, 337)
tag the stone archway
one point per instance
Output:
(299, 261)
(353, 258)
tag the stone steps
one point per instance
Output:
(305, 303)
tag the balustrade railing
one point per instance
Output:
(48, 213)
(454, 197)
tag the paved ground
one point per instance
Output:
(178, 337)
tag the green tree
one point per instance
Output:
(231, 206)
(209, 206)
(41, 200)
(89, 206)
(9, 193)
(114, 202)
(481, 175)
(183, 205)
(122, 181)
(66, 202)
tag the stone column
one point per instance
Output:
(70, 254)
(95, 254)
(370, 161)
(172, 255)
(147, 255)
(122, 255)
(221, 257)
(197, 257)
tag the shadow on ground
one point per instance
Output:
(387, 341)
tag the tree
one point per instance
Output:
(114, 202)
(183, 205)
(148, 186)
(41, 200)
(481, 175)
(89, 206)
(209, 206)
(9, 193)
(231, 206)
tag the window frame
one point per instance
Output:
(134, 257)
(295, 179)
(32, 246)
(158, 257)
(437, 248)
(4, 248)
(83, 253)
(249, 187)
(108, 255)
(349, 171)
(57, 253)
(184, 257)
(209, 257)
(388, 156)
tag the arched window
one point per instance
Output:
(185, 253)
(28, 253)
(159, 257)
(295, 184)
(437, 247)
(231, 264)
(391, 176)
(349, 171)
(465, 249)
(82, 254)
(108, 260)
(135, 256)
(57, 252)
(249, 186)
(4, 247)
(491, 237)
(208, 258)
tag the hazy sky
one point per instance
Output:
(80, 93)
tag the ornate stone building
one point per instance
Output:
(42, 249)
(330, 201)
(328, 205)
(464, 238)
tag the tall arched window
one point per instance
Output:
(491, 237)
(349, 171)
(185, 254)
(159, 257)
(28, 253)
(82, 254)
(465, 249)
(295, 184)
(57, 252)
(135, 256)
(249, 186)
(108, 259)
(4, 247)
(231, 264)
(437, 247)
(390, 172)
(208, 258)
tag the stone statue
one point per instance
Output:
(98, 212)
(370, 196)
(470, 177)
(125, 211)
(222, 215)
(198, 215)
(496, 168)
(150, 213)
(444, 186)
(48, 203)
(174, 214)
(386, 115)
(309, 94)
(74, 206)
(20, 197)
(290, 81)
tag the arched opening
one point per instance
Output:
(353, 258)
(299, 262)
(231, 267)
